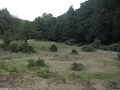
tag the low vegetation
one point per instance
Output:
(74, 51)
(118, 56)
(53, 48)
(36, 63)
(47, 74)
(77, 66)
(62, 67)
(88, 48)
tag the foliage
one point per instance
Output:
(31, 63)
(53, 48)
(77, 66)
(21, 47)
(36, 63)
(96, 22)
(2, 64)
(112, 47)
(47, 74)
(7, 38)
(40, 63)
(118, 56)
(14, 47)
(74, 51)
(88, 48)
(96, 43)
(70, 42)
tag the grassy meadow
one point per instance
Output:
(101, 68)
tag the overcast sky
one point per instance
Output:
(29, 9)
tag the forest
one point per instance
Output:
(95, 19)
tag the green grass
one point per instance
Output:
(101, 76)
(97, 65)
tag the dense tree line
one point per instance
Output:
(95, 19)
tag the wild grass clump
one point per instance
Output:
(47, 74)
(77, 66)
(88, 48)
(53, 48)
(74, 51)
(36, 63)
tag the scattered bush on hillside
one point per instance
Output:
(119, 56)
(40, 63)
(14, 47)
(2, 64)
(31, 63)
(21, 47)
(53, 48)
(77, 66)
(7, 38)
(74, 51)
(36, 63)
(5, 46)
(88, 48)
(96, 43)
(112, 47)
(70, 41)
(47, 74)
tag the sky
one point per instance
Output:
(30, 9)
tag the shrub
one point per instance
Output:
(47, 73)
(74, 51)
(88, 48)
(14, 47)
(2, 64)
(70, 41)
(96, 43)
(31, 63)
(7, 38)
(5, 46)
(119, 56)
(21, 47)
(36, 63)
(40, 63)
(28, 49)
(112, 47)
(53, 48)
(77, 66)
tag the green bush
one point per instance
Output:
(14, 47)
(74, 51)
(36, 63)
(40, 63)
(24, 48)
(5, 46)
(21, 47)
(53, 48)
(70, 41)
(7, 38)
(112, 47)
(119, 56)
(31, 63)
(77, 66)
(96, 43)
(88, 48)
(2, 64)
(47, 73)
